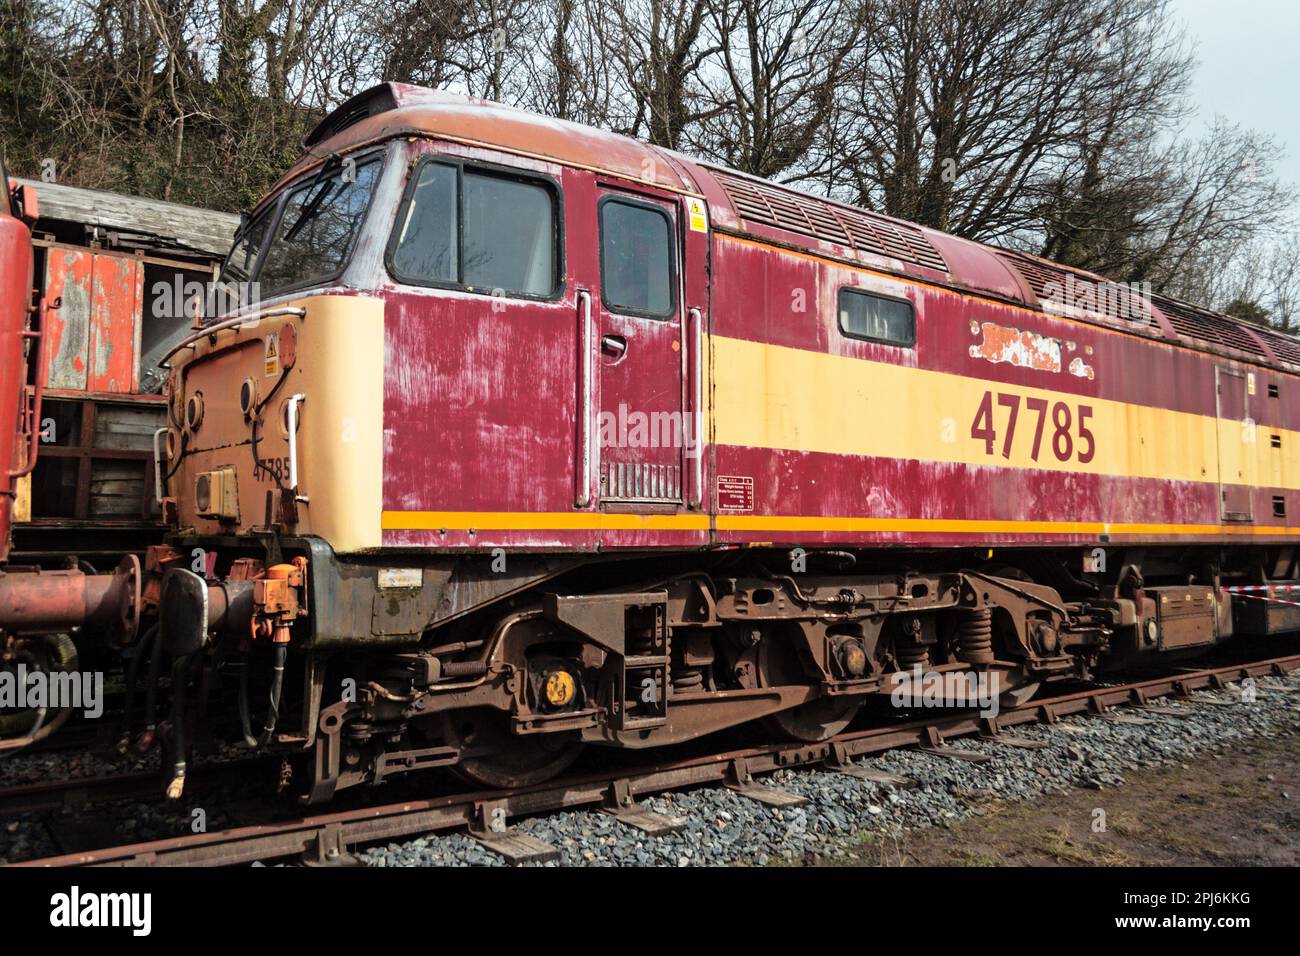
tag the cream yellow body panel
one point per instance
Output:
(339, 368)
(769, 396)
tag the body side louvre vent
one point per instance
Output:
(756, 201)
(1111, 301)
(1208, 326)
(1285, 347)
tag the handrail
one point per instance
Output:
(157, 465)
(697, 410)
(231, 323)
(37, 334)
(583, 498)
(292, 416)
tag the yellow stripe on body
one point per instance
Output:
(540, 521)
(770, 396)
(588, 521)
(813, 523)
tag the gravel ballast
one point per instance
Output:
(723, 828)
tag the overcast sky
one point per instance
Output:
(1249, 55)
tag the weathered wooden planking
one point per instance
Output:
(128, 427)
(203, 229)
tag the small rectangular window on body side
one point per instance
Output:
(876, 318)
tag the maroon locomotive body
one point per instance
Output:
(538, 437)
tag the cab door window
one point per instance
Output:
(636, 259)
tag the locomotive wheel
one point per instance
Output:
(1019, 695)
(499, 759)
(813, 721)
(816, 720)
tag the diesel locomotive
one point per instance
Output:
(536, 437)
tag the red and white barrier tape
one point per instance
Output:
(1270, 600)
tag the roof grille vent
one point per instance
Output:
(756, 201)
(1207, 326)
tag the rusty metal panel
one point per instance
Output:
(1187, 615)
(95, 333)
(116, 294)
(67, 282)
(1258, 616)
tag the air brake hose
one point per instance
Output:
(277, 682)
(132, 676)
(245, 717)
(151, 697)
(181, 668)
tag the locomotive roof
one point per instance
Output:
(750, 206)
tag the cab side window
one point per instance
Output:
(636, 258)
(427, 244)
(508, 236)
(477, 229)
(877, 318)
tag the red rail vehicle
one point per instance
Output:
(38, 607)
(111, 274)
(541, 437)
(120, 270)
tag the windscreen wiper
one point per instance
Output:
(312, 204)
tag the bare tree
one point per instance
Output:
(781, 62)
(1058, 126)
(659, 48)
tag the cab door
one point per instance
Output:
(1236, 441)
(644, 424)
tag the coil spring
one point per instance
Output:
(975, 637)
(687, 680)
(639, 642)
(911, 654)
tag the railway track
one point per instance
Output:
(326, 837)
(77, 793)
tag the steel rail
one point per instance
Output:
(70, 794)
(339, 829)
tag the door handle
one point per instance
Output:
(614, 345)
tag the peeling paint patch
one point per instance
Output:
(1081, 369)
(1001, 344)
